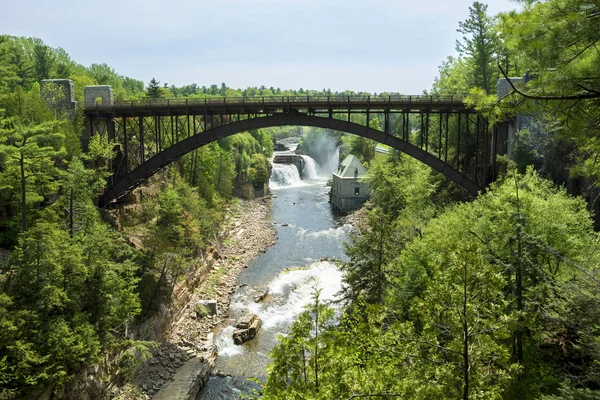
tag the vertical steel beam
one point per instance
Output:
(110, 128)
(142, 150)
(476, 147)
(485, 153)
(188, 124)
(465, 161)
(206, 116)
(171, 128)
(494, 151)
(421, 131)
(427, 131)
(125, 145)
(447, 131)
(458, 145)
(386, 118)
(159, 133)
(348, 108)
(440, 136)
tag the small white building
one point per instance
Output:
(347, 191)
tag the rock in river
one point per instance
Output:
(247, 326)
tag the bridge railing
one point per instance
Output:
(271, 100)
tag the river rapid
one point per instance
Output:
(308, 233)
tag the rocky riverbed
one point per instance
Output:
(183, 362)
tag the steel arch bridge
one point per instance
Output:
(446, 135)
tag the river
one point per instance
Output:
(307, 233)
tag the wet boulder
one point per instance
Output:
(247, 327)
(261, 296)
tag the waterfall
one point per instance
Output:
(335, 161)
(290, 292)
(330, 164)
(284, 175)
(309, 171)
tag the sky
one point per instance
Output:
(370, 46)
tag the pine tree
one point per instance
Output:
(30, 145)
(153, 91)
(480, 44)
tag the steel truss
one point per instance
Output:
(444, 133)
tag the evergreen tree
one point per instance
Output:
(480, 45)
(44, 61)
(30, 147)
(301, 358)
(153, 91)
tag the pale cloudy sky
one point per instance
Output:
(364, 45)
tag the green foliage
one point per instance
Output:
(68, 291)
(402, 190)
(201, 310)
(556, 41)
(135, 353)
(479, 51)
(30, 147)
(259, 170)
(100, 148)
(153, 91)
(479, 47)
(250, 152)
(301, 359)
(489, 299)
(64, 297)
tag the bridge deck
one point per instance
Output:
(276, 104)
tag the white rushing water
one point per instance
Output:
(289, 272)
(289, 293)
(310, 168)
(287, 175)
(284, 175)
(330, 164)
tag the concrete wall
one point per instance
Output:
(507, 130)
(49, 92)
(103, 93)
(343, 195)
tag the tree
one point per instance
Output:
(258, 172)
(80, 187)
(64, 298)
(8, 77)
(302, 357)
(31, 147)
(462, 312)
(21, 65)
(480, 46)
(556, 40)
(453, 79)
(105, 75)
(44, 61)
(402, 190)
(153, 91)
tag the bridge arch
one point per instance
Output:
(140, 174)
